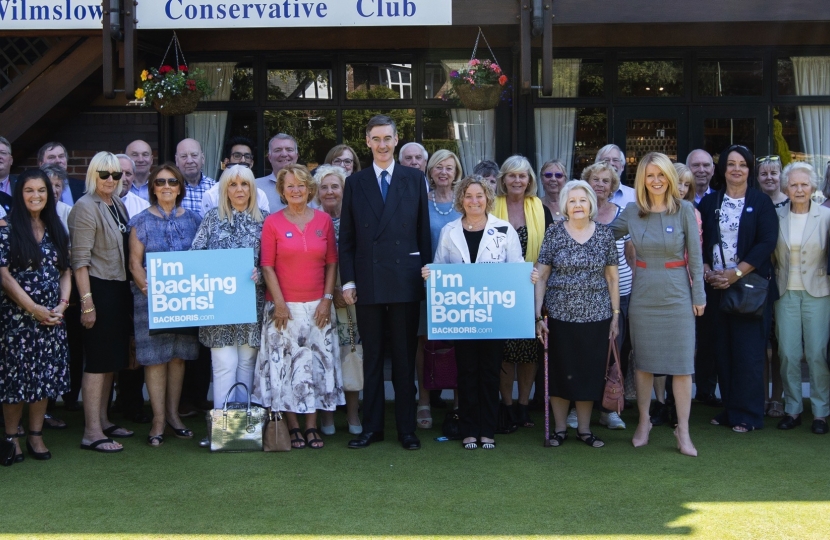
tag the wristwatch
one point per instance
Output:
(738, 273)
(328, 296)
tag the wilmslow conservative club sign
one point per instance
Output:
(191, 14)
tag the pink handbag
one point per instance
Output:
(613, 398)
(440, 370)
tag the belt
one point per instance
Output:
(670, 264)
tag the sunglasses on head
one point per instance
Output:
(557, 175)
(768, 158)
(103, 175)
(172, 182)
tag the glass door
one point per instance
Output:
(716, 128)
(640, 130)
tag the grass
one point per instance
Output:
(765, 484)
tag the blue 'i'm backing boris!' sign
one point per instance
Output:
(200, 288)
(480, 301)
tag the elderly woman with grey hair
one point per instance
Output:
(517, 203)
(57, 178)
(489, 170)
(802, 311)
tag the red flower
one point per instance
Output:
(183, 69)
(191, 84)
(503, 80)
(165, 69)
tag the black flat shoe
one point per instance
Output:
(410, 442)
(40, 456)
(366, 438)
(819, 427)
(709, 399)
(111, 432)
(788, 422)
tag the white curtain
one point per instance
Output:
(556, 128)
(208, 127)
(475, 133)
(812, 78)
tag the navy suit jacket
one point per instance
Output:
(77, 188)
(757, 232)
(383, 246)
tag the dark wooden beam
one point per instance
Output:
(21, 82)
(525, 39)
(48, 89)
(547, 48)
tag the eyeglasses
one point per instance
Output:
(768, 158)
(239, 156)
(103, 175)
(557, 175)
(172, 182)
(338, 161)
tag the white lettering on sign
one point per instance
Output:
(200, 289)
(479, 302)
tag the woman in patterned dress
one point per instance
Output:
(235, 223)
(164, 226)
(34, 267)
(579, 285)
(517, 203)
(297, 369)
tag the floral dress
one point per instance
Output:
(34, 359)
(241, 231)
(522, 351)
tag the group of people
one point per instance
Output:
(340, 255)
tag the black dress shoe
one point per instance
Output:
(788, 422)
(819, 427)
(410, 442)
(709, 399)
(365, 439)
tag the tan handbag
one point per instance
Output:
(275, 436)
(613, 398)
(236, 427)
(351, 366)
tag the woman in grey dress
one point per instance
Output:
(164, 226)
(663, 229)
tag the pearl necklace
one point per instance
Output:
(435, 205)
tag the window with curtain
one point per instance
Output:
(556, 127)
(812, 78)
(208, 127)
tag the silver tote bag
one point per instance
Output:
(236, 427)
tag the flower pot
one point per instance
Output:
(180, 104)
(479, 98)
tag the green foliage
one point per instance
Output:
(315, 131)
(440, 144)
(647, 77)
(242, 87)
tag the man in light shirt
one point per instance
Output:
(700, 163)
(237, 152)
(612, 154)
(282, 151)
(190, 160)
(132, 202)
(142, 156)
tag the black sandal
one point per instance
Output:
(524, 416)
(152, 439)
(40, 456)
(491, 445)
(51, 422)
(472, 445)
(316, 440)
(18, 458)
(181, 433)
(590, 439)
(558, 438)
(298, 442)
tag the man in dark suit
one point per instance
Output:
(384, 242)
(7, 180)
(54, 153)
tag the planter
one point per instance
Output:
(175, 105)
(479, 98)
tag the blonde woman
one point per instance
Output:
(663, 229)
(517, 203)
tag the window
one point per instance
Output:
(298, 83)
(804, 76)
(571, 135)
(378, 80)
(730, 77)
(650, 78)
(576, 77)
(314, 130)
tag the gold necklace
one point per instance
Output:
(471, 225)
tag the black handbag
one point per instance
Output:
(747, 296)
(452, 426)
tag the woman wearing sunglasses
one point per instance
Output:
(98, 229)
(164, 226)
(553, 177)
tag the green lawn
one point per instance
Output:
(766, 484)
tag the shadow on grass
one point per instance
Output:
(520, 488)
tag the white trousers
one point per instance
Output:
(232, 365)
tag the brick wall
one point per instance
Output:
(93, 132)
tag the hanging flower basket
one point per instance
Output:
(181, 104)
(479, 98)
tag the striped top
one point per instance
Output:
(624, 270)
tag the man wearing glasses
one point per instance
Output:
(611, 153)
(282, 151)
(237, 153)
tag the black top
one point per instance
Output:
(473, 239)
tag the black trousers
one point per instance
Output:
(402, 340)
(706, 372)
(479, 364)
(197, 376)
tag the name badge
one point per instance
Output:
(289, 234)
(749, 209)
(491, 232)
(669, 229)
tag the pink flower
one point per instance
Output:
(495, 68)
(474, 62)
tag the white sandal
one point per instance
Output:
(423, 423)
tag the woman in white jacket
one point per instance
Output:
(477, 237)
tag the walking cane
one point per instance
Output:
(547, 397)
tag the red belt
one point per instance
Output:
(672, 264)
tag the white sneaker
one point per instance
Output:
(572, 422)
(611, 420)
